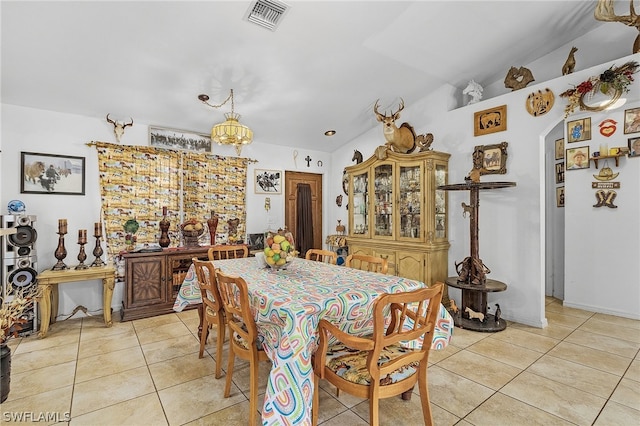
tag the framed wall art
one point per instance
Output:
(490, 121)
(577, 158)
(491, 159)
(268, 181)
(634, 147)
(179, 139)
(560, 196)
(579, 130)
(560, 172)
(632, 120)
(51, 174)
(560, 149)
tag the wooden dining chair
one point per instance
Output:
(243, 334)
(367, 263)
(320, 255)
(212, 311)
(228, 252)
(377, 366)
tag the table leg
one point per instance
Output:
(54, 303)
(107, 294)
(44, 301)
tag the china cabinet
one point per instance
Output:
(397, 212)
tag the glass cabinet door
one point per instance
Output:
(360, 206)
(441, 202)
(410, 198)
(383, 200)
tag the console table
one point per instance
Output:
(48, 300)
(472, 277)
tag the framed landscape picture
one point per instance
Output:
(51, 174)
(179, 139)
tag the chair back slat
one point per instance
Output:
(205, 272)
(234, 296)
(228, 252)
(320, 255)
(413, 316)
(367, 263)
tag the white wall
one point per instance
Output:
(33, 130)
(512, 220)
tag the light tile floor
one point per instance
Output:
(583, 369)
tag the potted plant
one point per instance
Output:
(14, 303)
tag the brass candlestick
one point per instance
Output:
(61, 252)
(82, 256)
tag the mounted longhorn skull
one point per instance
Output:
(118, 127)
(399, 139)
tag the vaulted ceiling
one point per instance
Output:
(322, 68)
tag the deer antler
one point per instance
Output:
(605, 12)
(110, 121)
(127, 124)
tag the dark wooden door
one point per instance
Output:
(291, 181)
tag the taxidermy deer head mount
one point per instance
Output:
(118, 127)
(399, 139)
(605, 11)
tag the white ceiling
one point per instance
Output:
(323, 68)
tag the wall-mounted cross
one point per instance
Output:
(308, 160)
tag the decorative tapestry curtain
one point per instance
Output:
(138, 181)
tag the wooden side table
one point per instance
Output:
(48, 281)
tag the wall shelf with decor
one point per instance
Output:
(616, 157)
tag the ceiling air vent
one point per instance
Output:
(267, 13)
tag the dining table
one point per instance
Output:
(287, 305)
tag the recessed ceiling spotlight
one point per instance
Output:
(330, 133)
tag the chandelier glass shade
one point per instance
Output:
(231, 131)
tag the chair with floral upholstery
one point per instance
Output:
(382, 365)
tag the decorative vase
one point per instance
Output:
(164, 240)
(340, 228)
(212, 223)
(5, 371)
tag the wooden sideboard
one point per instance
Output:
(152, 280)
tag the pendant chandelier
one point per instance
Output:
(231, 131)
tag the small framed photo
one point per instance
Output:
(632, 120)
(634, 147)
(491, 159)
(179, 139)
(560, 149)
(51, 174)
(490, 121)
(577, 158)
(268, 181)
(579, 130)
(560, 172)
(560, 196)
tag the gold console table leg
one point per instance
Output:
(44, 301)
(108, 284)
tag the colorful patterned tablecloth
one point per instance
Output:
(289, 303)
